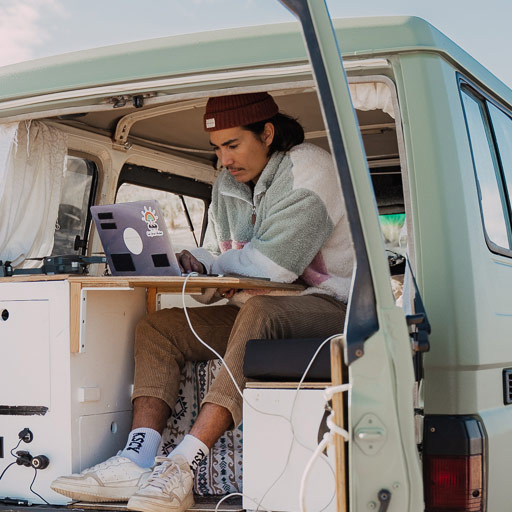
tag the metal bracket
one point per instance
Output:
(370, 434)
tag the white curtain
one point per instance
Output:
(32, 161)
(372, 96)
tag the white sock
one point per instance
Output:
(142, 446)
(193, 449)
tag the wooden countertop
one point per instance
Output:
(162, 283)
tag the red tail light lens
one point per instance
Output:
(453, 483)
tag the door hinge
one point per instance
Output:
(419, 330)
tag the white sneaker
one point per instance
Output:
(168, 489)
(116, 479)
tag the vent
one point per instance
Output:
(507, 386)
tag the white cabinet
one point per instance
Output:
(281, 431)
(77, 405)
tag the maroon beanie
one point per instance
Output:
(238, 110)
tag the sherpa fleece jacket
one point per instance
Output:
(300, 227)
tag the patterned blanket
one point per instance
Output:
(220, 472)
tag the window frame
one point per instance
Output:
(475, 92)
(150, 177)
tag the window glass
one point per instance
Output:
(183, 214)
(72, 220)
(502, 125)
(487, 172)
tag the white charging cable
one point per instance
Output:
(327, 439)
(195, 274)
(243, 496)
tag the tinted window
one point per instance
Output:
(73, 217)
(492, 197)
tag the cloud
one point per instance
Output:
(23, 27)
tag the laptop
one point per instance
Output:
(135, 239)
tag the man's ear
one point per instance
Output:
(268, 134)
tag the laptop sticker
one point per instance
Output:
(150, 217)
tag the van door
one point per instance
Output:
(382, 450)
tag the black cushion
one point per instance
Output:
(287, 359)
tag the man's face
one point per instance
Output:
(242, 152)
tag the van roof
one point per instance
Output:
(227, 50)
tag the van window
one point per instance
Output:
(502, 125)
(72, 226)
(184, 215)
(493, 201)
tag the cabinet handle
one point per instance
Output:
(5, 315)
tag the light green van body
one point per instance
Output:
(465, 286)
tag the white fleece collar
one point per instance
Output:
(230, 187)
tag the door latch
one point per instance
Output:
(370, 434)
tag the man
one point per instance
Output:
(276, 212)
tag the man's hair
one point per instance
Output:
(288, 132)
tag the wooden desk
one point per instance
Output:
(153, 284)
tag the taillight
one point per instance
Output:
(453, 483)
(453, 464)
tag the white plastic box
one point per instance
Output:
(279, 439)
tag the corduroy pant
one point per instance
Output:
(164, 341)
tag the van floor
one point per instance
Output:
(203, 503)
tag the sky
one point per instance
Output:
(31, 29)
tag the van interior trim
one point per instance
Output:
(375, 161)
(148, 143)
(384, 163)
(125, 124)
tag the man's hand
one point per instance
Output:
(189, 263)
(227, 293)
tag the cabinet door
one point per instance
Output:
(25, 353)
